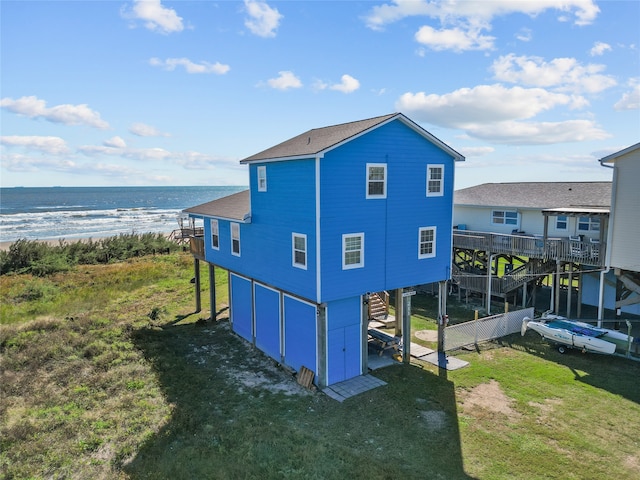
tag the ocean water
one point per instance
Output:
(95, 212)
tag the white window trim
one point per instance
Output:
(293, 250)
(566, 222)
(215, 232)
(426, 255)
(235, 226)
(590, 223)
(344, 251)
(262, 173)
(515, 225)
(384, 183)
(440, 192)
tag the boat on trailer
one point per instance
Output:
(572, 334)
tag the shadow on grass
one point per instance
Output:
(237, 415)
(614, 374)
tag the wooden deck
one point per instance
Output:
(558, 249)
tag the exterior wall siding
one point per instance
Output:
(390, 225)
(626, 227)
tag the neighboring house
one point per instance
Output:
(575, 208)
(619, 283)
(538, 228)
(330, 216)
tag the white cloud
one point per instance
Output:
(27, 163)
(524, 35)
(564, 74)
(115, 142)
(347, 84)
(585, 11)
(143, 130)
(481, 104)
(156, 17)
(170, 64)
(496, 113)
(599, 48)
(538, 133)
(285, 81)
(630, 100)
(142, 154)
(475, 151)
(263, 20)
(66, 114)
(45, 144)
(455, 39)
(462, 22)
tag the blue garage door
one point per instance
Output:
(299, 334)
(267, 305)
(241, 312)
(343, 353)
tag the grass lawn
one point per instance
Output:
(107, 373)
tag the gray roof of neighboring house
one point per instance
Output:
(233, 207)
(317, 140)
(536, 195)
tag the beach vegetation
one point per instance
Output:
(109, 373)
(43, 258)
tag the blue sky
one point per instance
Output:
(176, 93)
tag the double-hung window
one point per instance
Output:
(588, 224)
(299, 250)
(435, 179)
(215, 235)
(504, 217)
(562, 222)
(262, 179)
(352, 250)
(235, 239)
(376, 180)
(427, 242)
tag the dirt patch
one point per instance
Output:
(488, 397)
(427, 335)
(256, 371)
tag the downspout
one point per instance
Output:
(607, 256)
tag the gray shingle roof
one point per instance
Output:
(543, 195)
(234, 207)
(317, 140)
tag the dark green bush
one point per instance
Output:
(40, 258)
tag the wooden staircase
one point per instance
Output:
(379, 305)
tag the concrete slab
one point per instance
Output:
(445, 361)
(352, 387)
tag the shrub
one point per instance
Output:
(41, 259)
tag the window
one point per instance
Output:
(561, 222)
(215, 235)
(376, 180)
(435, 175)
(352, 250)
(504, 217)
(299, 250)
(262, 179)
(235, 239)
(588, 224)
(427, 242)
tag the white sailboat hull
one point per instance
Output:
(569, 338)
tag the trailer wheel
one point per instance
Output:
(562, 349)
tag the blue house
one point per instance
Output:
(329, 216)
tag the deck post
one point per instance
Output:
(442, 314)
(398, 312)
(524, 295)
(556, 287)
(569, 289)
(212, 291)
(406, 329)
(196, 268)
(579, 295)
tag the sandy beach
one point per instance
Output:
(51, 241)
